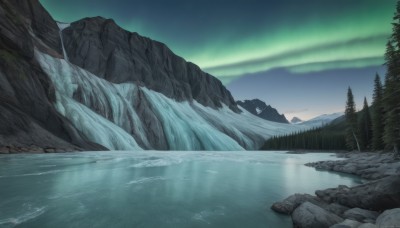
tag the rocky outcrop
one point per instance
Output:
(41, 26)
(389, 218)
(361, 215)
(106, 50)
(365, 201)
(348, 223)
(27, 116)
(359, 205)
(262, 110)
(367, 225)
(288, 205)
(377, 195)
(308, 215)
(370, 166)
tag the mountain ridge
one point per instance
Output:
(323, 119)
(261, 109)
(296, 120)
(105, 49)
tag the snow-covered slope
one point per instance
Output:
(321, 120)
(112, 115)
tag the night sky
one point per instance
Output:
(299, 56)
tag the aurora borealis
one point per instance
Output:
(247, 41)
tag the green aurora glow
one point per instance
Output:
(354, 37)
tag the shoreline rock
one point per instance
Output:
(367, 165)
(375, 203)
(361, 215)
(375, 195)
(309, 215)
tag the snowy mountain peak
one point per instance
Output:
(322, 119)
(296, 120)
(261, 109)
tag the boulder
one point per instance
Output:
(288, 205)
(329, 195)
(372, 166)
(309, 215)
(367, 225)
(361, 215)
(389, 218)
(347, 224)
(377, 195)
(336, 209)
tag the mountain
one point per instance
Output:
(104, 49)
(262, 110)
(90, 85)
(296, 120)
(322, 120)
(330, 136)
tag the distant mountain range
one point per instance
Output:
(321, 120)
(296, 120)
(261, 109)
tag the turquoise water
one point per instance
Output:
(155, 189)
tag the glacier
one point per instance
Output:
(67, 80)
(105, 113)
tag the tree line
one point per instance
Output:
(379, 128)
(319, 138)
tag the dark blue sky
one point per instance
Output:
(333, 43)
(309, 94)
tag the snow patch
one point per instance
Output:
(68, 79)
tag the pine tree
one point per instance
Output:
(377, 115)
(391, 98)
(391, 94)
(396, 26)
(351, 119)
(365, 127)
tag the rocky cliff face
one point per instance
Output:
(106, 50)
(262, 110)
(28, 120)
(94, 86)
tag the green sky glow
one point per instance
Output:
(282, 48)
(356, 33)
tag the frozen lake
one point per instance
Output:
(156, 189)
